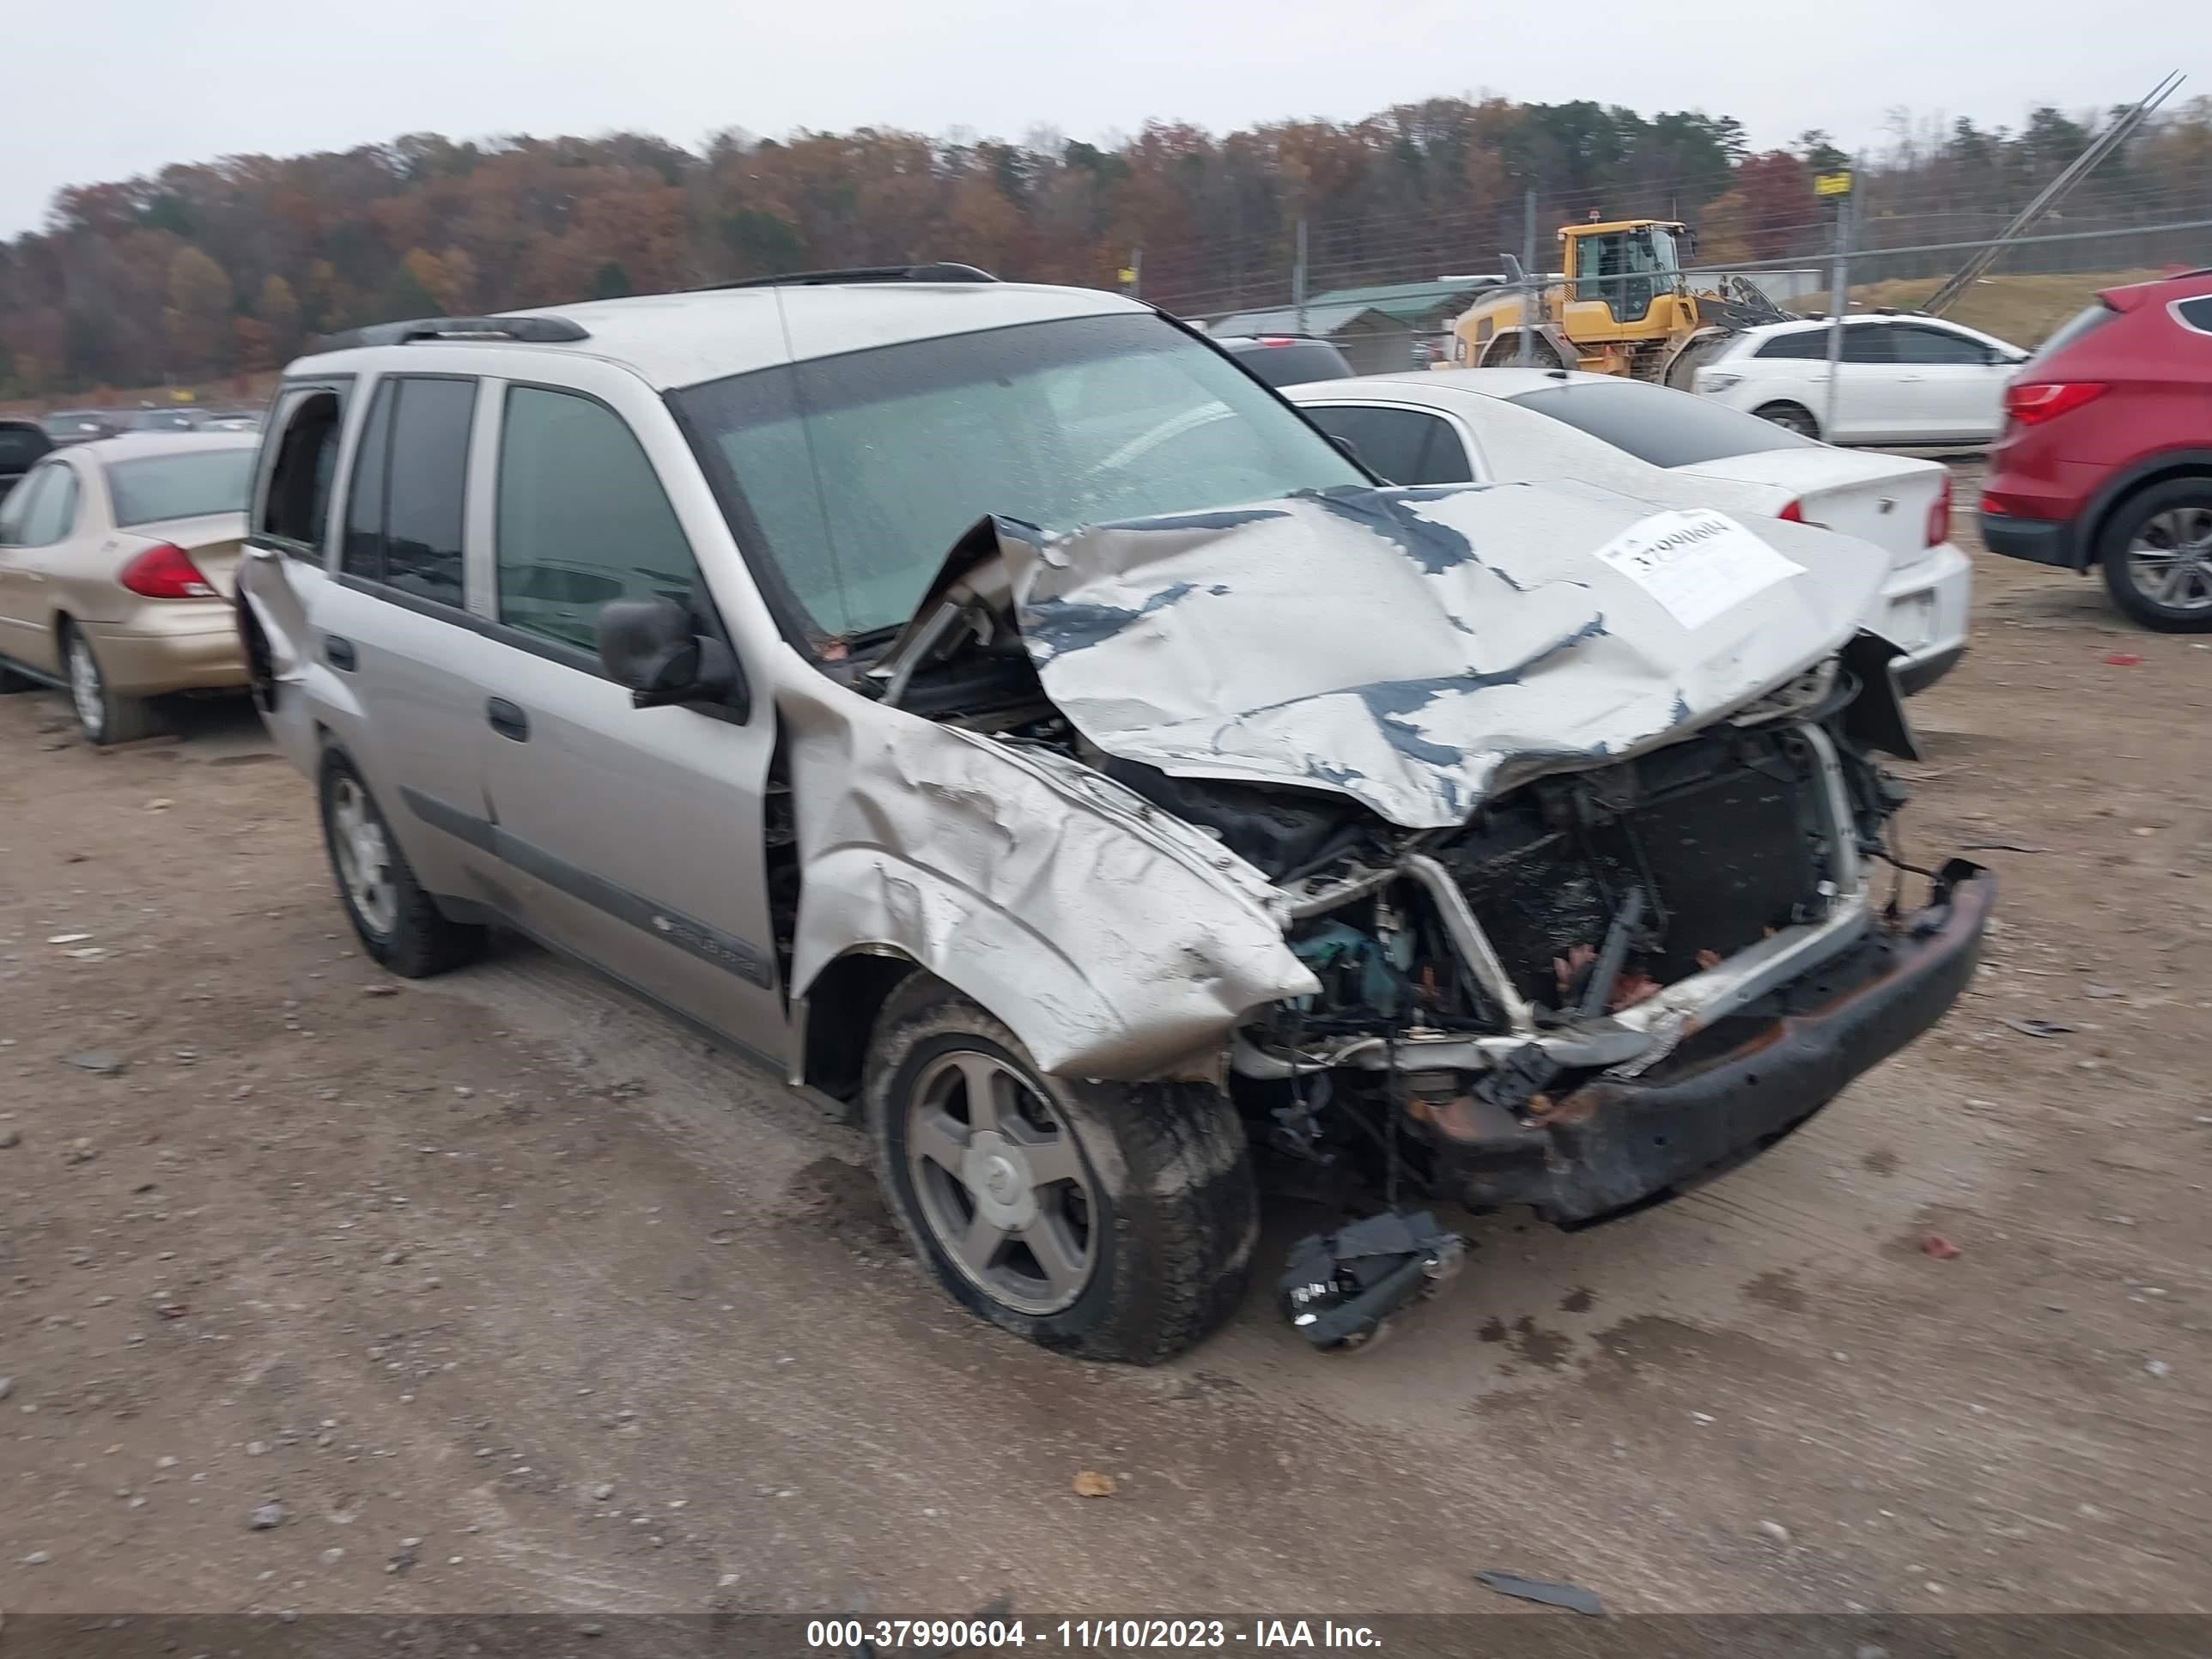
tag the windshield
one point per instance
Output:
(1657, 424)
(179, 486)
(848, 478)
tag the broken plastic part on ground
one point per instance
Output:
(1340, 1289)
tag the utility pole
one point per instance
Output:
(2128, 121)
(1532, 293)
(1298, 280)
(1839, 292)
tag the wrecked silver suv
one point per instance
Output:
(994, 708)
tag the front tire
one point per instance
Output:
(2156, 552)
(103, 714)
(1790, 417)
(398, 923)
(1110, 1220)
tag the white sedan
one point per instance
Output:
(1526, 425)
(1901, 380)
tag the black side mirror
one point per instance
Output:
(650, 645)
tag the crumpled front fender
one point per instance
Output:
(1115, 941)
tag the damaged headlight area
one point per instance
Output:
(1610, 982)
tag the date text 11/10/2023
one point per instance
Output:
(862, 1636)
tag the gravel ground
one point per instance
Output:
(323, 1290)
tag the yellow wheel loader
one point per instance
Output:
(1627, 302)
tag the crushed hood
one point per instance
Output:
(1402, 646)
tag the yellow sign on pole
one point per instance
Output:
(1128, 275)
(1831, 184)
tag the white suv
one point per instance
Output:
(1903, 380)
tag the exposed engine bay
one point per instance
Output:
(1586, 919)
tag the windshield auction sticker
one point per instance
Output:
(1697, 565)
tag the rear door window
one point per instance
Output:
(582, 519)
(404, 521)
(1405, 446)
(1869, 342)
(2194, 313)
(1918, 344)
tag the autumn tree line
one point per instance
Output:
(213, 269)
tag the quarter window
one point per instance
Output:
(1803, 343)
(1406, 445)
(404, 512)
(582, 519)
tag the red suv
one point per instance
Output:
(2106, 453)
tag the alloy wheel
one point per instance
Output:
(2170, 559)
(1000, 1183)
(364, 859)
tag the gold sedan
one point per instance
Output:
(117, 562)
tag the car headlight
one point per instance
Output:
(1713, 380)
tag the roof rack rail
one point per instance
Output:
(943, 271)
(530, 331)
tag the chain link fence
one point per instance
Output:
(1387, 292)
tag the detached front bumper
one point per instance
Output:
(1617, 1144)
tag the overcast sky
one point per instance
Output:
(104, 91)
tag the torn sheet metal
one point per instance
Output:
(1407, 646)
(1114, 938)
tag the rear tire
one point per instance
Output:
(2156, 551)
(1790, 417)
(398, 923)
(1140, 1197)
(103, 714)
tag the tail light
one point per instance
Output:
(2032, 405)
(165, 571)
(1793, 513)
(1939, 514)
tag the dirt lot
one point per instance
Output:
(513, 1297)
